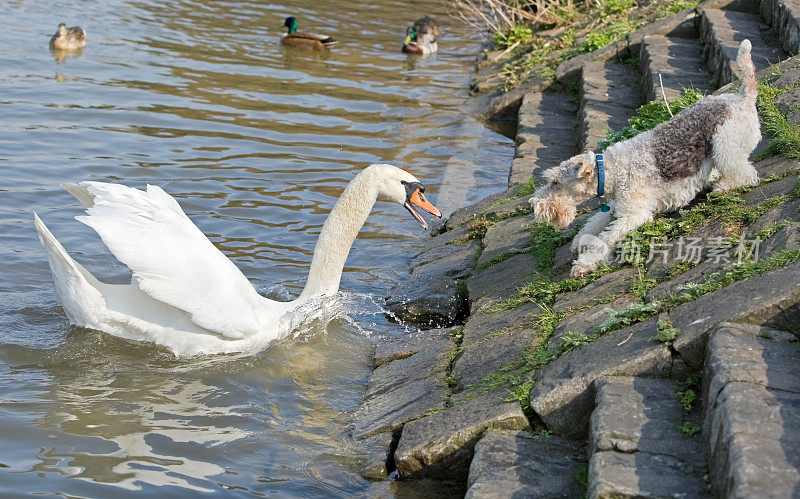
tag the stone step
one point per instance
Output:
(519, 464)
(784, 17)
(546, 130)
(441, 445)
(723, 30)
(563, 397)
(506, 237)
(610, 94)
(680, 63)
(636, 448)
(752, 400)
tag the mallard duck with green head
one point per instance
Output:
(68, 38)
(421, 36)
(307, 40)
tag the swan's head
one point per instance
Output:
(399, 186)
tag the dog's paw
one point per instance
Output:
(581, 269)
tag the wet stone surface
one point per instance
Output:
(432, 295)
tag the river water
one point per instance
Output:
(256, 142)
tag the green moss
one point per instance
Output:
(515, 376)
(478, 227)
(649, 115)
(729, 208)
(462, 287)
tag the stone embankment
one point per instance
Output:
(675, 373)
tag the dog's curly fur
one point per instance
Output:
(658, 170)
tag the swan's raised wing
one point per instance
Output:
(171, 259)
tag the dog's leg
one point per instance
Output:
(593, 226)
(588, 261)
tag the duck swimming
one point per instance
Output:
(421, 36)
(308, 40)
(185, 294)
(68, 38)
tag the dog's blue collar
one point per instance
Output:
(601, 175)
(601, 180)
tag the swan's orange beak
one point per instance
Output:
(418, 199)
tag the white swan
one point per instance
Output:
(185, 294)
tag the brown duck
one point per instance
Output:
(68, 38)
(307, 40)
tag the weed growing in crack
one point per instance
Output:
(544, 291)
(686, 397)
(636, 312)
(666, 332)
(527, 188)
(642, 284)
(572, 340)
(546, 238)
(688, 429)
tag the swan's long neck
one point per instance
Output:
(338, 233)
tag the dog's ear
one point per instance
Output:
(585, 166)
(551, 174)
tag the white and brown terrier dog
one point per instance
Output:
(658, 170)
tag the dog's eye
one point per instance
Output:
(555, 183)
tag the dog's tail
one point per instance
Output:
(749, 88)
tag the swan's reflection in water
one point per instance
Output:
(129, 416)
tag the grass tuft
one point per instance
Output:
(649, 116)
(785, 136)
